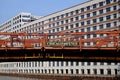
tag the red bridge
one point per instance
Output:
(60, 46)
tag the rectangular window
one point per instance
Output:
(109, 71)
(57, 29)
(115, 0)
(88, 36)
(77, 18)
(71, 63)
(82, 16)
(77, 24)
(77, 71)
(82, 30)
(82, 23)
(95, 71)
(100, 3)
(71, 19)
(94, 13)
(62, 28)
(88, 29)
(94, 35)
(71, 26)
(67, 14)
(94, 20)
(71, 13)
(66, 21)
(62, 22)
(88, 22)
(62, 63)
(88, 71)
(108, 25)
(101, 19)
(108, 1)
(77, 11)
(101, 11)
(82, 9)
(114, 7)
(108, 9)
(101, 26)
(108, 17)
(82, 71)
(88, 15)
(94, 5)
(88, 7)
(66, 27)
(94, 27)
(101, 71)
(115, 15)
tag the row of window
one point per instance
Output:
(83, 9)
(76, 18)
(88, 29)
(66, 71)
(56, 63)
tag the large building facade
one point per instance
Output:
(93, 15)
(13, 24)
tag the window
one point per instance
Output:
(82, 71)
(108, 25)
(66, 71)
(71, 71)
(88, 15)
(88, 29)
(101, 26)
(62, 28)
(94, 20)
(108, 1)
(115, 23)
(88, 22)
(115, 0)
(108, 17)
(76, 30)
(77, 24)
(82, 9)
(88, 36)
(62, 64)
(94, 13)
(109, 71)
(94, 35)
(67, 21)
(62, 16)
(95, 63)
(67, 14)
(77, 18)
(71, 26)
(71, 13)
(67, 63)
(82, 30)
(71, 63)
(57, 29)
(53, 30)
(82, 16)
(71, 19)
(77, 11)
(94, 27)
(66, 27)
(95, 71)
(114, 7)
(101, 71)
(82, 23)
(88, 7)
(77, 71)
(57, 23)
(88, 71)
(62, 22)
(58, 17)
(101, 19)
(101, 11)
(94, 5)
(115, 15)
(100, 3)
(108, 9)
